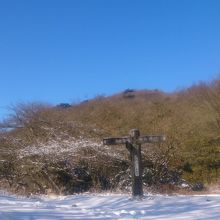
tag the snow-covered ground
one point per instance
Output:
(112, 206)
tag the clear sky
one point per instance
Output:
(69, 50)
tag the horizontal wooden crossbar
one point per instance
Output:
(152, 138)
(115, 141)
(143, 139)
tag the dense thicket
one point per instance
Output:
(190, 119)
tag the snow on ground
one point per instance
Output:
(112, 206)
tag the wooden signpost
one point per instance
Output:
(133, 144)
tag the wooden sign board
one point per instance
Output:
(143, 139)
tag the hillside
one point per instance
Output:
(59, 149)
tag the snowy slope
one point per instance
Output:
(99, 206)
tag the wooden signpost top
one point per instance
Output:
(142, 139)
(133, 144)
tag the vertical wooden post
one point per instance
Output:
(134, 146)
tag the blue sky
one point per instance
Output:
(66, 51)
